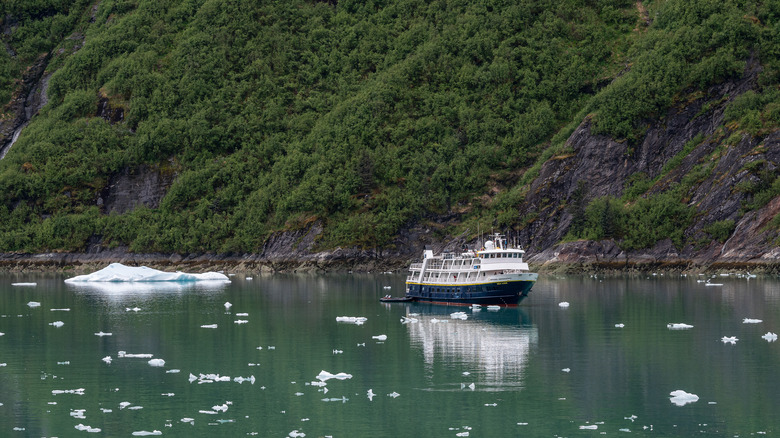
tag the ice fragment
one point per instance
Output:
(324, 376)
(24, 284)
(751, 321)
(357, 320)
(87, 428)
(380, 337)
(146, 433)
(33, 304)
(157, 362)
(212, 326)
(770, 337)
(678, 326)
(563, 304)
(681, 398)
(729, 340)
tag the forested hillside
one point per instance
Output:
(209, 125)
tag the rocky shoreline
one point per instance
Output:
(572, 258)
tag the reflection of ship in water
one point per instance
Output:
(496, 345)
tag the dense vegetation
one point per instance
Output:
(365, 115)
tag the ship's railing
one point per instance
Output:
(415, 266)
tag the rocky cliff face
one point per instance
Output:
(603, 166)
(28, 99)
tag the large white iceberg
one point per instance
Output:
(117, 272)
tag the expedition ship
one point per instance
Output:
(494, 274)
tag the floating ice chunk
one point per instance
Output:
(173, 371)
(566, 370)
(393, 394)
(85, 428)
(681, 398)
(67, 362)
(135, 408)
(465, 373)
(563, 304)
(240, 321)
(751, 321)
(102, 333)
(33, 304)
(240, 380)
(106, 411)
(589, 427)
(248, 278)
(188, 420)
(729, 340)
(380, 337)
(135, 355)
(625, 429)
(117, 272)
(357, 320)
(220, 408)
(157, 363)
(228, 305)
(60, 310)
(324, 376)
(620, 325)
(338, 351)
(466, 433)
(386, 287)
(678, 326)
(2, 334)
(132, 309)
(770, 337)
(168, 394)
(320, 383)
(78, 413)
(24, 284)
(79, 391)
(124, 404)
(493, 308)
(405, 320)
(459, 315)
(370, 394)
(491, 404)
(57, 324)
(242, 314)
(296, 434)
(146, 433)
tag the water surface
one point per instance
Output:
(535, 370)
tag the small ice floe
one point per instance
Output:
(85, 428)
(79, 391)
(459, 315)
(296, 434)
(357, 320)
(240, 321)
(466, 373)
(168, 394)
(102, 333)
(106, 411)
(146, 433)
(385, 287)
(2, 334)
(134, 355)
(324, 376)
(770, 337)
(124, 404)
(729, 340)
(379, 337)
(476, 307)
(470, 386)
(78, 413)
(67, 362)
(408, 320)
(188, 420)
(228, 305)
(157, 362)
(211, 326)
(240, 380)
(678, 326)
(566, 370)
(620, 325)
(370, 394)
(589, 427)
(466, 433)
(707, 283)
(362, 344)
(242, 314)
(132, 309)
(335, 399)
(493, 308)
(493, 405)
(436, 320)
(393, 394)
(173, 371)
(57, 324)
(563, 304)
(751, 321)
(24, 284)
(248, 278)
(33, 304)
(220, 408)
(338, 351)
(60, 310)
(681, 398)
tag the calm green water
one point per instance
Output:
(617, 380)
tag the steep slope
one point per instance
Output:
(348, 133)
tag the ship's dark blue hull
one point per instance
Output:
(501, 293)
